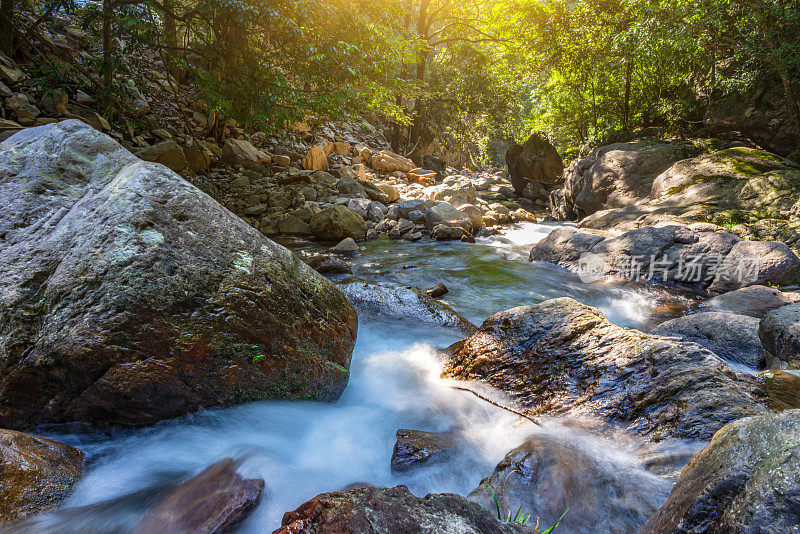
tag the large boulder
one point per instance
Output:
(457, 191)
(619, 175)
(395, 510)
(779, 331)
(755, 301)
(388, 162)
(129, 296)
(397, 301)
(215, 500)
(552, 473)
(561, 356)
(746, 480)
(732, 185)
(702, 259)
(536, 160)
(335, 223)
(315, 159)
(732, 337)
(35, 474)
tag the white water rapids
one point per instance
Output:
(302, 449)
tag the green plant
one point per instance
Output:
(520, 517)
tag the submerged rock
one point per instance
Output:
(390, 299)
(732, 337)
(746, 480)
(213, 501)
(439, 290)
(780, 335)
(393, 511)
(414, 448)
(549, 474)
(561, 356)
(35, 474)
(128, 296)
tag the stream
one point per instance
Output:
(302, 449)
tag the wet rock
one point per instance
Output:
(732, 337)
(35, 474)
(783, 389)
(388, 162)
(168, 153)
(549, 474)
(393, 510)
(746, 480)
(536, 160)
(389, 299)
(755, 301)
(213, 501)
(346, 246)
(130, 296)
(779, 331)
(336, 223)
(561, 356)
(439, 290)
(415, 448)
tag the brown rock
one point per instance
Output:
(35, 474)
(315, 159)
(214, 501)
(414, 448)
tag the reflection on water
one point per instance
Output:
(302, 449)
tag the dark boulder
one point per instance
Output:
(537, 161)
(562, 356)
(746, 480)
(780, 335)
(129, 296)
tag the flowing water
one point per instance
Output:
(303, 449)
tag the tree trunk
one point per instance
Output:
(7, 26)
(626, 109)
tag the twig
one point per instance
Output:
(495, 403)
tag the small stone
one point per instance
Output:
(437, 291)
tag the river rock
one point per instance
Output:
(370, 510)
(388, 162)
(717, 261)
(746, 480)
(619, 175)
(214, 501)
(756, 262)
(536, 160)
(439, 290)
(562, 356)
(731, 185)
(783, 389)
(755, 301)
(457, 191)
(391, 192)
(241, 152)
(35, 474)
(390, 299)
(443, 232)
(345, 246)
(335, 223)
(445, 213)
(549, 474)
(779, 331)
(732, 337)
(129, 296)
(315, 159)
(414, 448)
